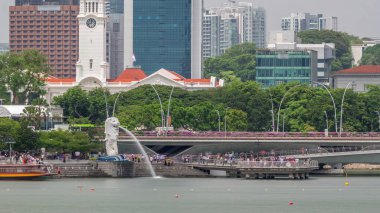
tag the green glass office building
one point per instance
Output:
(275, 67)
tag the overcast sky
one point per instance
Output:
(358, 17)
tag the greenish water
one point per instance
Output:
(145, 195)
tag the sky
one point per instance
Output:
(357, 17)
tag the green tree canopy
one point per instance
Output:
(342, 43)
(239, 59)
(371, 56)
(23, 74)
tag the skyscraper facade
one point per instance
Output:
(210, 34)
(46, 2)
(237, 23)
(298, 22)
(115, 36)
(52, 29)
(166, 34)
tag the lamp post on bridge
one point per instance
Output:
(282, 100)
(225, 122)
(378, 114)
(341, 108)
(272, 112)
(327, 121)
(217, 111)
(333, 101)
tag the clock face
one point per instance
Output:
(91, 23)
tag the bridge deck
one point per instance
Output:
(262, 169)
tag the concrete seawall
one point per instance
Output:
(123, 169)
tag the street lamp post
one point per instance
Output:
(162, 111)
(378, 114)
(341, 108)
(282, 100)
(333, 101)
(10, 150)
(225, 122)
(168, 113)
(217, 111)
(327, 121)
(283, 122)
(272, 112)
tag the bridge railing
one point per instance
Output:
(254, 134)
(277, 164)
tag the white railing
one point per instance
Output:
(277, 164)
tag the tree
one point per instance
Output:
(74, 102)
(371, 56)
(9, 130)
(23, 74)
(27, 139)
(35, 114)
(342, 43)
(239, 59)
(65, 141)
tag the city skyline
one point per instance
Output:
(357, 17)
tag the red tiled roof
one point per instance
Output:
(130, 74)
(60, 80)
(197, 80)
(177, 75)
(366, 69)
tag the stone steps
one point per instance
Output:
(79, 170)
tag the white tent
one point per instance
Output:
(11, 111)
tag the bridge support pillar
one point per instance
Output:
(291, 176)
(306, 175)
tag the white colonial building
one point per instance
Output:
(92, 68)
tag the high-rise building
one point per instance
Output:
(115, 36)
(237, 23)
(52, 29)
(164, 34)
(211, 35)
(298, 22)
(46, 2)
(330, 23)
(229, 33)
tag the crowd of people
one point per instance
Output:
(241, 158)
(22, 158)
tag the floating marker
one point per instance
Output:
(176, 196)
(291, 203)
(346, 183)
(92, 189)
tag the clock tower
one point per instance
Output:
(92, 64)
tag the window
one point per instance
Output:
(116, 27)
(91, 61)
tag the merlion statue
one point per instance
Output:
(112, 135)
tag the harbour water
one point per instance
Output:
(191, 195)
